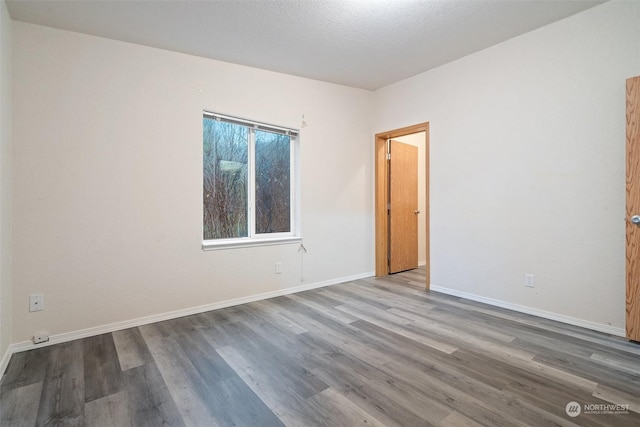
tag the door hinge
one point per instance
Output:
(388, 156)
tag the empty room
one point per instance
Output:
(319, 213)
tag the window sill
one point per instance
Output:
(212, 245)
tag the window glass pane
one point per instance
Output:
(225, 150)
(273, 204)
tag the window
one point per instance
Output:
(248, 183)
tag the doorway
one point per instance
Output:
(382, 193)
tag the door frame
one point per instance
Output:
(632, 252)
(381, 191)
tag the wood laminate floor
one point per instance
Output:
(378, 352)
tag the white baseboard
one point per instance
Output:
(84, 333)
(607, 329)
(5, 361)
(422, 263)
(98, 330)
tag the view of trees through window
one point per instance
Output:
(226, 148)
(246, 180)
(273, 210)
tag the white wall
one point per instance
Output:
(108, 180)
(527, 150)
(5, 180)
(419, 140)
(527, 173)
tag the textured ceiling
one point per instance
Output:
(365, 44)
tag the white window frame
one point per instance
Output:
(253, 238)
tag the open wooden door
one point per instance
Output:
(633, 209)
(382, 198)
(403, 207)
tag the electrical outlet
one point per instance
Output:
(36, 302)
(529, 280)
(278, 268)
(40, 337)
